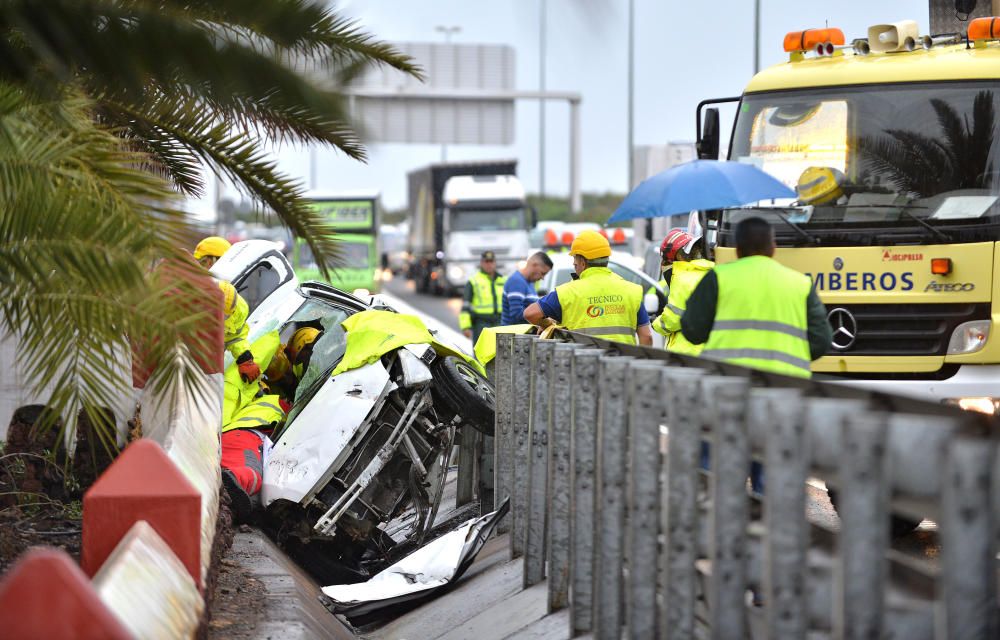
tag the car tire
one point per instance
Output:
(463, 391)
(899, 526)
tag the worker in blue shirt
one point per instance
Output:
(519, 290)
(598, 302)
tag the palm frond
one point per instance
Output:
(80, 225)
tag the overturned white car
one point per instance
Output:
(373, 420)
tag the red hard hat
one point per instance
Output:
(676, 240)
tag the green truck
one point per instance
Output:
(354, 218)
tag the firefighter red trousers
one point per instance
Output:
(243, 454)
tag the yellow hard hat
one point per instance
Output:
(590, 245)
(820, 185)
(278, 366)
(211, 246)
(229, 296)
(301, 338)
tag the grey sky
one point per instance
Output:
(685, 51)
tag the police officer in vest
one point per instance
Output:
(597, 302)
(482, 303)
(756, 312)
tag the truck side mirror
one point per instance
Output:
(708, 142)
(534, 215)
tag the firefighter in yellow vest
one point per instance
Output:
(235, 309)
(482, 303)
(250, 413)
(597, 302)
(756, 312)
(681, 258)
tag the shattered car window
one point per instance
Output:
(327, 351)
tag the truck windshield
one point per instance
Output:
(351, 255)
(911, 160)
(487, 219)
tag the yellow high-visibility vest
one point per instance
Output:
(601, 303)
(487, 298)
(761, 318)
(684, 278)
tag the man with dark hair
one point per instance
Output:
(756, 312)
(754, 237)
(519, 290)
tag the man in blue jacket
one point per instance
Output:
(519, 290)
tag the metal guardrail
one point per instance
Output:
(599, 446)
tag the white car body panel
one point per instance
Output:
(415, 372)
(319, 434)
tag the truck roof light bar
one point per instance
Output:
(981, 30)
(822, 42)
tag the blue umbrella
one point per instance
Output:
(699, 185)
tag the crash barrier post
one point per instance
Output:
(584, 383)
(520, 401)
(668, 505)
(538, 461)
(503, 427)
(559, 482)
(609, 523)
(485, 457)
(466, 482)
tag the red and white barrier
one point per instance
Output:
(148, 528)
(148, 588)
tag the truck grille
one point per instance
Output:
(500, 251)
(903, 329)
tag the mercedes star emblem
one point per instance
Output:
(845, 328)
(838, 263)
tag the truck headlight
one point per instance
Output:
(986, 405)
(969, 337)
(455, 272)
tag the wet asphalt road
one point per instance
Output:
(438, 307)
(922, 543)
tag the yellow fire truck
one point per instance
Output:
(892, 143)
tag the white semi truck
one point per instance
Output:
(460, 210)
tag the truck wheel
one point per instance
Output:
(463, 391)
(899, 526)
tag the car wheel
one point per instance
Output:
(899, 526)
(465, 392)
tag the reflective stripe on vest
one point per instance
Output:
(604, 331)
(760, 317)
(601, 303)
(262, 412)
(684, 279)
(761, 325)
(487, 294)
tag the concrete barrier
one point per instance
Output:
(148, 587)
(170, 479)
(142, 484)
(46, 595)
